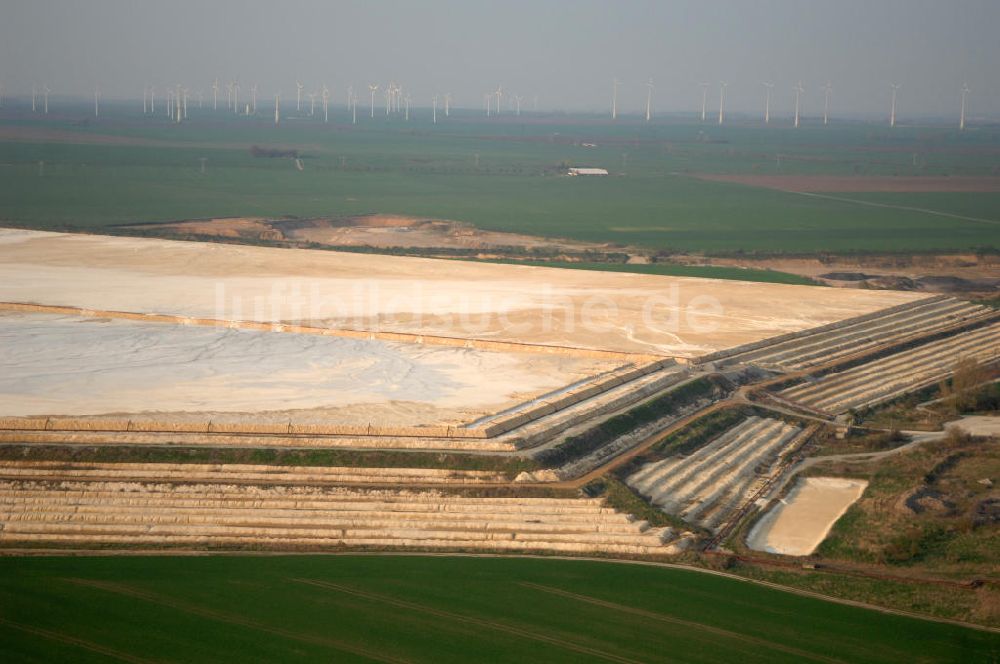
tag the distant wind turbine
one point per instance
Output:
(649, 100)
(499, 97)
(447, 104)
(97, 102)
(34, 93)
(614, 98)
(961, 120)
(45, 96)
(215, 95)
(767, 101)
(827, 90)
(798, 92)
(372, 88)
(326, 103)
(298, 96)
(312, 103)
(434, 112)
(517, 100)
(892, 109)
(722, 101)
(704, 99)
(277, 109)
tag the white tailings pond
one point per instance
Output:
(796, 526)
(63, 365)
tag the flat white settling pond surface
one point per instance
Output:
(797, 526)
(522, 303)
(59, 365)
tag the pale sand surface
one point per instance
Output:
(797, 526)
(62, 365)
(615, 311)
(978, 425)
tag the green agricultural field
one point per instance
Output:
(503, 175)
(437, 609)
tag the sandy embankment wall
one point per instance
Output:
(398, 337)
(770, 341)
(637, 366)
(491, 429)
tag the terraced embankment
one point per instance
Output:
(802, 350)
(711, 484)
(198, 515)
(894, 375)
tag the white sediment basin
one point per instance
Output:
(64, 365)
(798, 525)
(526, 304)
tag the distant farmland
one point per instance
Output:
(504, 175)
(437, 609)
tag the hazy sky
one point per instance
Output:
(565, 52)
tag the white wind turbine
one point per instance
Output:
(722, 101)
(97, 102)
(215, 95)
(152, 99)
(767, 101)
(447, 104)
(298, 96)
(229, 95)
(517, 100)
(892, 109)
(45, 96)
(614, 98)
(704, 99)
(145, 104)
(277, 109)
(798, 92)
(325, 95)
(253, 98)
(434, 112)
(961, 119)
(178, 103)
(827, 91)
(353, 101)
(649, 100)
(312, 103)
(34, 93)
(373, 88)
(236, 97)
(499, 97)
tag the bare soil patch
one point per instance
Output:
(862, 184)
(384, 231)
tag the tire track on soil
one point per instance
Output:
(479, 622)
(718, 631)
(60, 637)
(232, 619)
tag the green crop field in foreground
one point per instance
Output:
(504, 175)
(436, 609)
